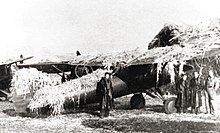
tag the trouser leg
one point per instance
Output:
(112, 104)
(212, 106)
(108, 106)
(102, 107)
(102, 113)
(197, 110)
(182, 103)
(178, 102)
(193, 103)
(107, 112)
(206, 102)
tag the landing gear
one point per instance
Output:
(169, 105)
(137, 101)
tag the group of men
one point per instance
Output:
(191, 92)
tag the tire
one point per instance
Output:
(169, 105)
(137, 101)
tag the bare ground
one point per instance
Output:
(123, 119)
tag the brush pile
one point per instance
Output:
(55, 96)
(183, 42)
(30, 80)
(197, 45)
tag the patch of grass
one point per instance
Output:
(143, 124)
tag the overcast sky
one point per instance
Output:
(39, 27)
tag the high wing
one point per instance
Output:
(172, 53)
(18, 60)
(6, 75)
(90, 61)
(176, 53)
(5, 69)
(152, 56)
(76, 69)
(48, 66)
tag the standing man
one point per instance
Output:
(104, 93)
(211, 85)
(196, 95)
(182, 95)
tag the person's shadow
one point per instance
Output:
(156, 108)
(42, 113)
(92, 109)
(12, 112)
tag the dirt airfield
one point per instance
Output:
(123, 119)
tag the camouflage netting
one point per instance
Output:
(163, 38)
(30, 80)
(106, 59)
(197, 45)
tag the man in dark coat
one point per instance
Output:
(196, 93)
(104, 93)
(182, 94)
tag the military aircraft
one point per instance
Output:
(138, 79)
(133, 77)
(137, 76)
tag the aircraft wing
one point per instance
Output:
(59, 67)
(49, 67)
(156, 55)
(105, 59)
(18, 60)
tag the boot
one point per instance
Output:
(198, 110)
(181, 110)
(102, 114)
(185, 110)
(107, 113)
(193, 111)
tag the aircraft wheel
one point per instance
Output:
(169, 105)
(137, 101)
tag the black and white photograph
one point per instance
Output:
(109, 66)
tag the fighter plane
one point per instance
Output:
(136, 76)
(133, 77)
